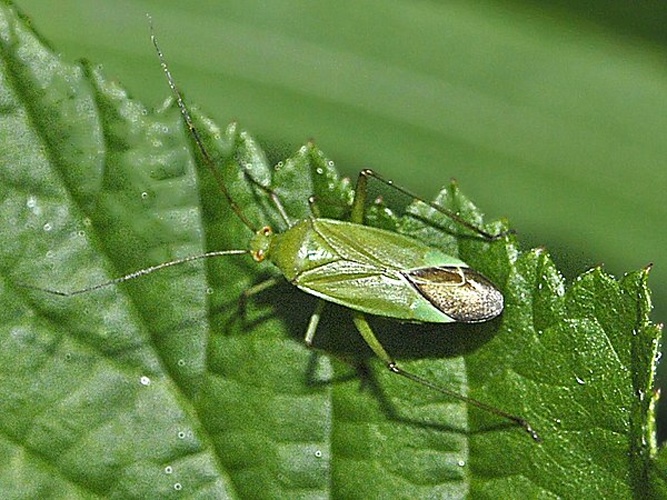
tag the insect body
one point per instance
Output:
(374, 271)
(366, 269)
(379, 272)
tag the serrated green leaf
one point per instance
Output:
(159, 387)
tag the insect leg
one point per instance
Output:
(274, 198)
(365, 174)
(364, 328)
(314, 321)
(254, 290)
(367, 333)
(360, 195)
(314, 209)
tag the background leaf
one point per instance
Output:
(139, 390)
(552, 113)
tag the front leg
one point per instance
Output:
(360, 197)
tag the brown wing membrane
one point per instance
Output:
(460, 292)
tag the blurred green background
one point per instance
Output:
(552, 114)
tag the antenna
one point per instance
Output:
(208, 161)
(136, 274)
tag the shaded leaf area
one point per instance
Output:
(163, 386)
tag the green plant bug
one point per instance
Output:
(365, 269)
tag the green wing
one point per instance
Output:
(384, 249)
(369, 289)
(382, 273)
(368, 272)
